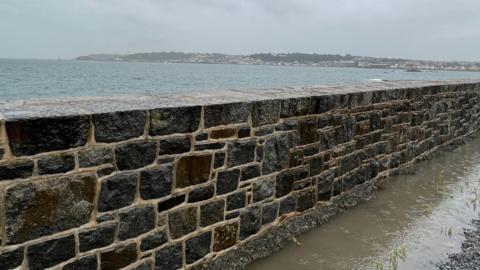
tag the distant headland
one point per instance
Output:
(287, 59)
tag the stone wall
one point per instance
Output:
(165, 186)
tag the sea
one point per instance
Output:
(39, 79)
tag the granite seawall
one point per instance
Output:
(208, 180)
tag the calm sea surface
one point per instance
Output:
(33, 79)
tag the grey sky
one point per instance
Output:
(421, 29)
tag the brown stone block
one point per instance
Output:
(307, 130)
(33, 136)
(223, 133)
(182, 221)
(192, 170)
(119, 257)
(40, 208)
(225, 236)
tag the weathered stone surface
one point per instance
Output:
(324, 185)
(362, 127)
(227, 181)
(269, 212)
(244, 132)
(135, 155)
(174, 120)
(212, 212)
(11, 259)
(170, 203)
(16, 169)
(165, 160)
(209, 146)
(201, 193)
(316, 165)
(275, 154)
(305, 200)
(263, 189)
(117, 191)
(322, 121)
(295, 107)
(338, 187)
(193, 170)
(119, 126)
(265, 112)
(201, 137)
(232, 215)
(350, 162)
(250, 221)
(51, 252)
(236, 200)
(284, 184)
(311, 150)
(33, 136)
(219, 160)
(84, 263)
(182, 222)
(162, 219)
(288, 124)
(223, 133)
(296, 158)
(327, 139)
(197, 247)
(105, 171)
(156, 182)
(307, 130)
(259, 154)
(56, 164)
(240, 152)
(225, 236)
(136, 221)
(287, 205)
(263, 131)
(101, 218)
(286, 179)
(97, 237)
(120, 257)
(175, 145)
(2, 153)
(321, 104)
(169, 257)
(250, 172)
(302, 184)
(154, 240)
(95, 156)
(43, 207)
(144, 265)
(345, 132)
(224, 114)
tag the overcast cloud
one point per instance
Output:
(420, 29)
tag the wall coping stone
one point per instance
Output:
(55, 107)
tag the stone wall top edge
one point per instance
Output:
(57, 107)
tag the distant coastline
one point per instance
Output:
(288, 59)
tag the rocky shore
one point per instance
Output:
(469, 257)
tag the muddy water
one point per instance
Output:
(418, 217)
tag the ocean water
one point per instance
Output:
(35, 79)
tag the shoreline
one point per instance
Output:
(469, 257)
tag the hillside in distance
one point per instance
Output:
(287, 59)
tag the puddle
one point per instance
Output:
(419, 217)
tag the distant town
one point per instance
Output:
(288, 59)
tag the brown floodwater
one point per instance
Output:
(419, 217)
